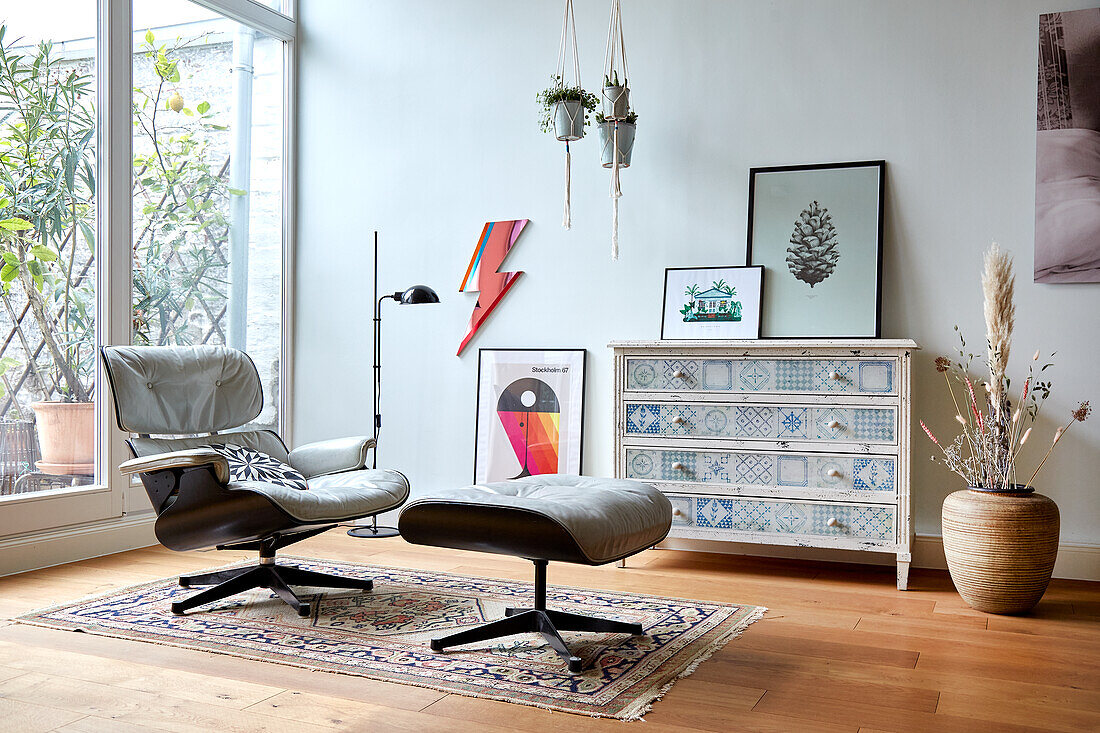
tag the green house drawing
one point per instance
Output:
(716, 304)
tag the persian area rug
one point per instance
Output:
(383, 635)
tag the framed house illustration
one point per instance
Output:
(712, 302)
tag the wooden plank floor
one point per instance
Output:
(840, 650)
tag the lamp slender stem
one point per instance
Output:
(377, 373)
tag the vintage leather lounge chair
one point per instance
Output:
(187, 396)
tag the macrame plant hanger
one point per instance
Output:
(573, 111)
(615, 108)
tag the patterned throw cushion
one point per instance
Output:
(246, 464)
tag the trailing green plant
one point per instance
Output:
(631, 117)
(558, 92)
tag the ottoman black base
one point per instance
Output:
(542, 620)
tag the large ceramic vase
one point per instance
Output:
(66, 436)
(1000, 547)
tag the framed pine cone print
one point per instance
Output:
(817, 231)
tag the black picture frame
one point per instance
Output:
(703, 337)
(583, 396)
(876, 332)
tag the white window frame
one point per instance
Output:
(25, 517)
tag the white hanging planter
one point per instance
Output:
(568, 120)
(626, 143)
(616, 133)
(616, 102)
(564, 105)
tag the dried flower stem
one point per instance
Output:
(958, 410)
(1057, 439)
(1078, 415)
(998, 284)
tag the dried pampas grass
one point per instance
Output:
(998, 284)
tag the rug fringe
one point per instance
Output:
(630, 713)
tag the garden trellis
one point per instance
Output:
(172, 315)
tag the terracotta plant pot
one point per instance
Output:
(1000, 547)
(66, 436)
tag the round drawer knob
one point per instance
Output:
(832, 522)
(676, 512)
(679, 375)
(833, 473)
(678, 466)
(834, 424)
(836, 376)
(679, 420)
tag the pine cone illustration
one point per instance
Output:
(814, 254)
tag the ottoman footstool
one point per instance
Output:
(590, 521)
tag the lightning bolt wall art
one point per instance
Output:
(497, 240)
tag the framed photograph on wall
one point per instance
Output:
(818, 231)
(1067, 149)
(712, 303)
(530, 413)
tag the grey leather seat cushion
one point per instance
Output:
(336, 497)
(552, 517)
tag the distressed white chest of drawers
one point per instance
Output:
(773, 442)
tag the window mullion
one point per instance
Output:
(113, 221)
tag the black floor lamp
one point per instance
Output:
(415, 295)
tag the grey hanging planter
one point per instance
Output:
(616, 102)
(626, 143)
(569, 120)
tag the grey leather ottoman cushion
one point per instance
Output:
(553, 517)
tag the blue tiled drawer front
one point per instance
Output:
(812, 519)
(808, 376)
(723, 468)
(763, 422)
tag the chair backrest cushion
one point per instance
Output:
(181, 390)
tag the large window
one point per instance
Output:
(143, 194)
(47, 241)
(208, 172)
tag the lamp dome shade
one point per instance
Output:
(418, 294)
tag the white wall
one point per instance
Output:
(418, 118)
